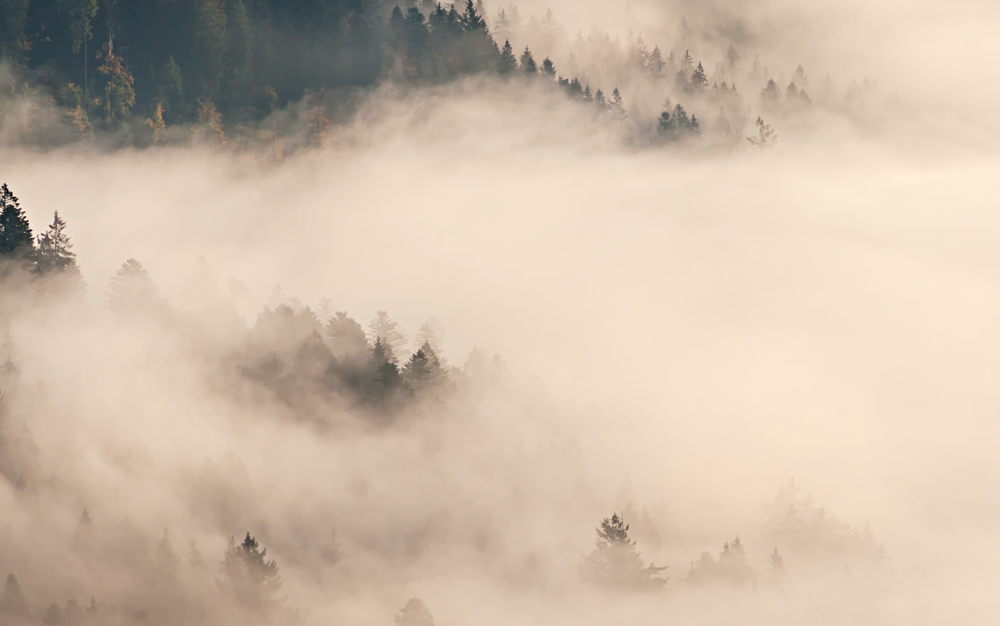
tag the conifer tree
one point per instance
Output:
(776, 566)
(414, 613)
(616, 563)
(508, 63)
(16, 241)
(253, 580)
(616, 106)
(347, 338)
(528, 65)
(548, 68)
(119, 94)
(656, 63)
(698, 78)
(13, 601)
(771, 93)
(383, 327)
(55, 252)
(131, 289)
(765, 135)
(600, 101)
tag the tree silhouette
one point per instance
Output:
(16, 241)
(548, 68)
(13, 601)
(55, 252)
(132, 290)
(414, 613)
(528, 65)
(616, 563)
(253, 580)
(765, 135)
(507, 63)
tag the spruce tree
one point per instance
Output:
(548, 68)
(615, 563)
(253, 580)
(528, 65)
(16, 240)
(698, 78)
(508, 63)
(13, 601)
(55, 252)
(616, 106)
(414, 613)
(131, 289)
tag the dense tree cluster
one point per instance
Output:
(149, 68)
(49, 254)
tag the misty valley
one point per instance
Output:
(417, 313)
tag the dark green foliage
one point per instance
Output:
(615, 563)
(13, 19)
(252, 579)
(414, 613)
(16, 241)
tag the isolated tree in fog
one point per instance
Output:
(616, 563)
(733, 564)
(414, 613)
(252, 579)
(616, 106)
(765, 135)
(16, 240)
(13, 601)
(776, 566)
(549, 68)
(55, 252)
(132, 289)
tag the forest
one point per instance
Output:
(324, 371)
(283, 76)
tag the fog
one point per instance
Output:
(675, 333)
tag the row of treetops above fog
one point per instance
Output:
(146, 68)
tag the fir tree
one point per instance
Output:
(770, 94)
(13, 601)
(616, 106)
(776, 566)
(765, 135)
(119, 94)
(383, 328)
(528, 65)
(656, 63)
(507, 63)
(414, 613)
(55, 252)
(253, 580)
(616, 563)
(698, 78)
(16, 240)
(131, 289)
(548, 68)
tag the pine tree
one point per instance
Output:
(383, 327)
(732, 55)
(253, 580)
(131, 289)
(414, 613)
(55, 252)
(698, 78)
(347, 338)
(656, 63)
(616, 106)
(548, 68)
(119, 94)
(13, 601)
(771, 93)
(600, 101)
(16, 240)
(765, 135)
(776, 566)
(508, 63)
(616, 563)
(165, 558)
(472, 19)
(528, 65)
